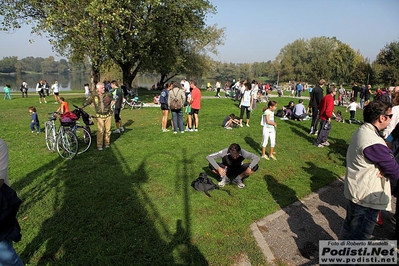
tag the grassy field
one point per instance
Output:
(132, 204)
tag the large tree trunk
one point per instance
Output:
(129, 72)
(165, 78)
(94, 78)
(94, 74)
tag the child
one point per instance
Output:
(63, 107)
(352, 109)
(87, 90)
(156, 99)
(269, 129)
(7, 89)
(34, 122)
(338, 117)
(229, 121)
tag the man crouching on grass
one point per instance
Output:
(369, 165)
(231, 165)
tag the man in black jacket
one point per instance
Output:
(315, 98)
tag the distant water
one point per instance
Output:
(76, 82)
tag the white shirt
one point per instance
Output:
(38, 87)
(352, 106)
(246, 98)
(55, 87)
(255, 89)
(394, 121)
(187, 86)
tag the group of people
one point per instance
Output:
(43, 90)
(176, 97)
(294, 111)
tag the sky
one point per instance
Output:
(256, 30)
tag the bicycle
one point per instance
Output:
(50, 131)
(64, 140)
(83, 133)
(134, 103)
(67, 142)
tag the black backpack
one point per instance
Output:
(205, 184)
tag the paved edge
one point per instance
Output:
(262, 243)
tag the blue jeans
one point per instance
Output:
(177, 116)
(359, 222)
(33, 126)
(8, 256)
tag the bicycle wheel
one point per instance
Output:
(49, 131)
(84, 139)
(67, 144)
(138, 105)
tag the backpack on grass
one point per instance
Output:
(204, 183)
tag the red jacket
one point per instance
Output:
(326, 107)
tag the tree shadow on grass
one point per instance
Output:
(103, 214)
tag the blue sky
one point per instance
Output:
(256, 30)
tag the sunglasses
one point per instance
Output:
(390, 116)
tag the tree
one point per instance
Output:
(388, 60)
(49, 66)
(342, 62)
(126, 31)
(7, 64)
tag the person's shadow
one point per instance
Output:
(256, 146)
(300, 220)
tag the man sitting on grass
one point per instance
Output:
(299, 111)
(231, 165)
(230, 121)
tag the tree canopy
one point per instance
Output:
(136, 35)
(387, 64)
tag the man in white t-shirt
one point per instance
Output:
(186, 86)
(56, 91)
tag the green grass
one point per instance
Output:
(133, 204)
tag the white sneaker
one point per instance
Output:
(116, 131)
(122, 129)
(165, 130)
(228, 128)
(241, 125)
(225, 180)
(238, 182)
(247, 125)
(196, 130)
